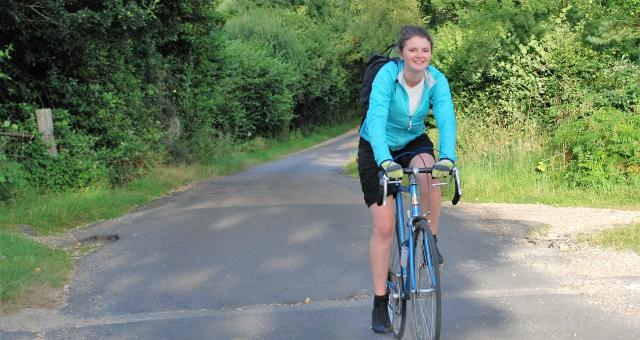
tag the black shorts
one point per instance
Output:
(368, 169)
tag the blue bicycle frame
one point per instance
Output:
(412, 287)
(409, 271)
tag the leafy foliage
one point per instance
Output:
(386, 16)
(12, 178)
(309, 50)
(521, 65)
(134, 83)
(602, 148)
(115, 68)
(257, 100)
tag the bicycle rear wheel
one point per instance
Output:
(426, 300)
(397, 303)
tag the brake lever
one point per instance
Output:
(458, 189)
(384, 190)
(387, 181)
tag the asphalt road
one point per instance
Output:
(236, 258)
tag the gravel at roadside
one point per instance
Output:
(607, 278)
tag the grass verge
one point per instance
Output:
(621, 238)
(489, 178)
(26, 265)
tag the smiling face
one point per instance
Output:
(416, 54)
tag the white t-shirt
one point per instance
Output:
(415, 93)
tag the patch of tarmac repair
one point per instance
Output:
(99, 239)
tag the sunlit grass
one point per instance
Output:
(621, 238)
(25, 263)
(505, 170)
(57, 211)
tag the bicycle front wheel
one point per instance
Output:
(426, 298)
(397, 306)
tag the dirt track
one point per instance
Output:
(608, 278)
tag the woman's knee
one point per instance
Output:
(383, 229)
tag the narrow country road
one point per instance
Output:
(280, 252)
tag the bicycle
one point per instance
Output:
(413, 273)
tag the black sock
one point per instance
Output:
(435, 238)
(380, 300)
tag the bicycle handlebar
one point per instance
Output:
(454, 173)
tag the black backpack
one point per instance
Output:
(371, 69)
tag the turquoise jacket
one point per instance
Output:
(387, 124)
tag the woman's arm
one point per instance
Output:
(445, 116)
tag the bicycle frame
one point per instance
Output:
(413, 216)
(409, 270)
(403, 284)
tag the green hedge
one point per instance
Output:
(134, 83)
(256, 92)
(112, 71)
(546, 66)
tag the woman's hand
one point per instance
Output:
(393, 169)
(442, 169)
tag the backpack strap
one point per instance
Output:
(387, 51)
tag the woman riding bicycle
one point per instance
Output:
(401, 95)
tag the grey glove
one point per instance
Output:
(442, 169)
(393, 169)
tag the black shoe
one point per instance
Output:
(380, 322)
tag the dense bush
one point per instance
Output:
(117, 70)
(309, 51)
(609, 27)
(601, 149)
(13, 178)
(133, 83)
(373, 25)
(77, 165)
(256, 92)
(562, 69)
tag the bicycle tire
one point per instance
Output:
(426, 307)
(397, 306)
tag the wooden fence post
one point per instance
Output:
(45, 126)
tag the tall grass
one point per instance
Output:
(501, 165)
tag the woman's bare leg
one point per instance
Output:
(380, 243)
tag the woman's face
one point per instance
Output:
(416, 54)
